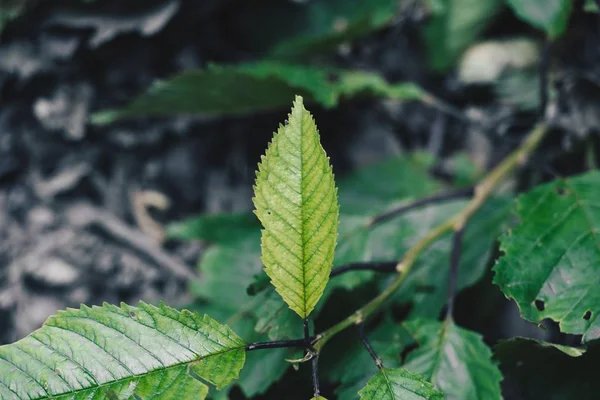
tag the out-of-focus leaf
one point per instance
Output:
(398, 384)
(426, 285)
(551, 261)
(551, 372)
(453, 26)
(293, 30)
(248, 88)
(519, 89)
(551, 16)
(456, 360)
(9, 10)
(219, 228)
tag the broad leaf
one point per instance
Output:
(551, 261)
(118, 352)
(398, 384)
(456, 360)
(553, 372)
(248, 88)
(453, 26)
(549, 15)
(296, 202)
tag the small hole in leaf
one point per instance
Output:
(539, 304)
(131, 314)
(587, 315)
(268, 212)
(561, 191)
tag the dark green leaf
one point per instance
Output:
(456, 360)
(550, 372)
(551, 261)
(249, 88)
(551, 16)
(292, 30)
(219, 228)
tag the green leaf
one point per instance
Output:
(296, 201)
(453, 26)
(292, 30)
(426, 285)
(456, 360)
(547, 371)
(217, 228)
(551, 16)
(398, 384)
(248, 88)
(118, 352)
(354, 367)
(551, 261)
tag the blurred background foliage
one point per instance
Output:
(155, 112)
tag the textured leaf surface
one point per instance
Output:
(456, 360)
(398, 384)
(551, 261)
(296, 201)
(549, 15)
(249, 88)
(453, 26)
(545, 371)
(145, 351)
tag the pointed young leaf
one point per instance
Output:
(296, 202)
(455, 360)
(551, 261)
(143, 352)
(398, 384)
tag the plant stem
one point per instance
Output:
(454, 269)
(436, 198)
(365, 341)
(383, 266)
(482, 192)
(278, 344)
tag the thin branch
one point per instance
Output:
(280, 344)
(446, 108)
(365, 341)
(382, 266)
(454, 269)
(315, 376)
(436, 198)
(314, 361)
(483, 191)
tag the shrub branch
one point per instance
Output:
(482, 192)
